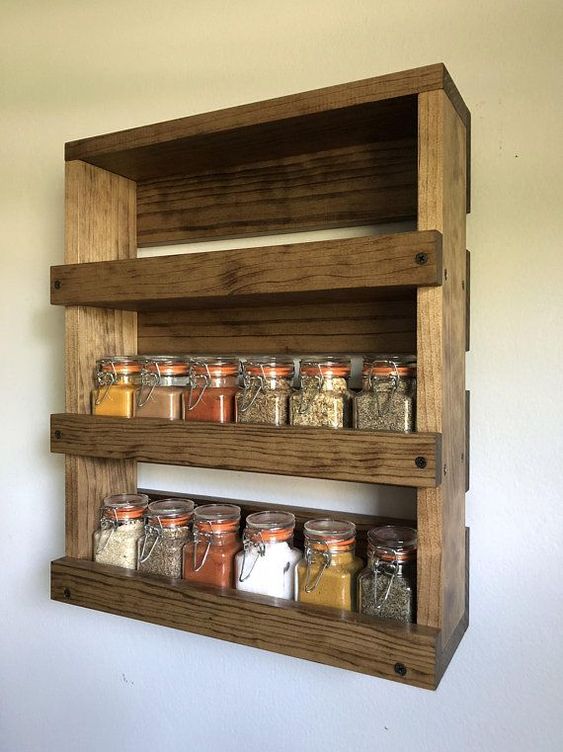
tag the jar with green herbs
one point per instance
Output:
(327, 574)
(121, 527)
(387, 586)
(167, 530)
(387, 401)
(264, 396)
(323, 399)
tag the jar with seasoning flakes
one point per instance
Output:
(387, 587)
(163, 381)
(323, 399)
(209, 558)
(118, 379)
(264, 396)
(210, 394)
(387, 401)
(266, 565)
(167, 530)
(327, 574)
(121, 526)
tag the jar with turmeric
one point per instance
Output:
(121, 527)
(211, 389)
(209, 559)
(167, 530)
(118, 379)
(163, 381)
(327, 574)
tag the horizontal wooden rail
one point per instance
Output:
(361, 456)
(304, 272)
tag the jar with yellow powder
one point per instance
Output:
(118, 378)
(327, 574)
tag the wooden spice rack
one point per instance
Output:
(383, 150)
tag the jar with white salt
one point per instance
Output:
(121, 526)
(266, 565)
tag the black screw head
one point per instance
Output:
(420, 462)
(421, 258)
(58, 434)
(57, 284)
(400, 669)
(66, 593)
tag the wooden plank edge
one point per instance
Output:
(464, 113)
(404, 653)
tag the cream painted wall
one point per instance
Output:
(77, 680)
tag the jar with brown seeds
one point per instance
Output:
(167, 530)
(323, 399)
(387, 586)
(387, 401)
(264, 396)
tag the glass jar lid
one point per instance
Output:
(217, 518)
(123, 507)
(393, 542)
(165, 365)
(269, 367)
(215, 367)
(172, 512)
(121, 365)
(401, 366)
(271, 527)
(327, 366)
(334, 534)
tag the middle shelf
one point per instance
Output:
(410, 459)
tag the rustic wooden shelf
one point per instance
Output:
(330, 270)
(362, 456)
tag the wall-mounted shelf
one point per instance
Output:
(386, 149)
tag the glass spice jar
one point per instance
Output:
(163, 381)
(167, 530)
(387, 586)
(209, 558)
(121, 527)
(323, 399)
(387, 401)
(264, 396)
(266, 565)
(118, 378)
(327, 574)
(212, 385)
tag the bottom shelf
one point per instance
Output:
(408, 653)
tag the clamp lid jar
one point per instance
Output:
(162, 383)
(209, 556)
(167, 530)
(118, 378)
(121, 526)
(211, 388)
(323, 399)
(264, 396)
(387, 401)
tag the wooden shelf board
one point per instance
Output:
(360, 456)
(332, 270)
(345, 640)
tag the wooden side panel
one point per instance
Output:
(345, 186)
(100, 226)
(360, 456)
(467, 301)
(441, 365)
(380, 326)
(345, 640)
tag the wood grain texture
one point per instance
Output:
(441, 365)
(300, 272)
(345, 640)
(100, 225)
(362, 456)
(378, 326)
(467, 301)
(361, 184)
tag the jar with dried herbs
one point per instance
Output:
(264, 396)
(266, 565)
(121, 527)
(163, 381)
(209, 558)
(323, 399)
(327, 574)
(387, 587)
(387, 401)
(167, 530)
(118, 378)
(211, 389)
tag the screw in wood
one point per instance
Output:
(421, 258)
(445, 274)
(57, 284)
(420, 462)
(445, 469)
(58, 434)
(66, 593)
(400, 669)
